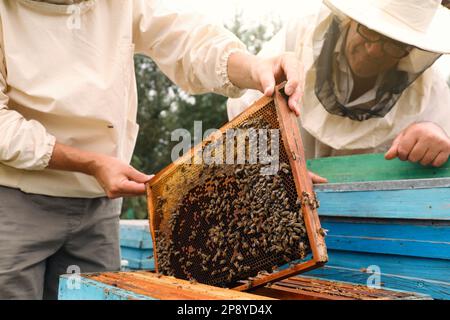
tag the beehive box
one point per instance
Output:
(145, 285)
(136, 246)
(142, 285)
(390, 217)
(234, 224)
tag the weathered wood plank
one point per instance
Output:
(345, 290)
(148, 285)
(407, 239)
(372, 167)
(144, 286)
(421, 230)
(424, 268)
(135, 264)
(424, 204)
(135, 234)
(435, 290)
(94, 290)
(389, 246)
(429, 276)
(133, 253)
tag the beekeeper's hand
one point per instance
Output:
(423, 142)
(316, 178)
(117, 178)
(247, 71)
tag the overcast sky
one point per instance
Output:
(265, 10)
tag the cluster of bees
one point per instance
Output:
(234, 225)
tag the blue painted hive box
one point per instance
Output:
(387, 222)
(136, 245)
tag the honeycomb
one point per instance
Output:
(222, 224)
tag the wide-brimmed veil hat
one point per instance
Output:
(421, 23)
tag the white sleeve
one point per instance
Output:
(24, 144)
(438, 101)
(192, 51)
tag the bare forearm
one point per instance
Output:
(72, 159)
(117, 178)
(240, 70)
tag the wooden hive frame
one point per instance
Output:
(146, 285)
(290, 134)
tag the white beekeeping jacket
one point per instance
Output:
(67, 75)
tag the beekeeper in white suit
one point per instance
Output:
(370, 85)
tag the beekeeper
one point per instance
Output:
(370, 85)
(68, 127)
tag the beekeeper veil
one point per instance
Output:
(418, 23)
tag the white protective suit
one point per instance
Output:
(325, 134)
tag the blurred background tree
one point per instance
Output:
(163, 107)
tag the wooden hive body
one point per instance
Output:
(146, 285)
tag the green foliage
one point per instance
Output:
(163, 107)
